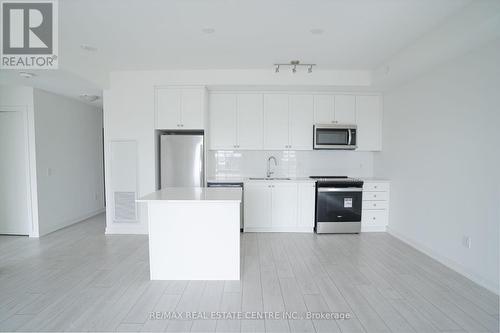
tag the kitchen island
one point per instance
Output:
(194, 233)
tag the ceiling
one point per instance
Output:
(242, 34)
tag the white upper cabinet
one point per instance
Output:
(276, 135)
(250, 129)
(236, 121)
(288, 122)
(345, 109)
(275, 120)
(180, 108)
(334, 109)
(223, 118)
(324, 109)
(369, 121)
(301, 122)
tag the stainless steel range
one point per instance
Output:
(338, 204)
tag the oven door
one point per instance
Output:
(334, 137)
(338, 210)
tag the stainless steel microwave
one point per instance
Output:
(337, 136)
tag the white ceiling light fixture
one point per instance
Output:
(88, 48)
(294, 64)
(27, 75)
(89, 98)
(317, 31)
(208, 30)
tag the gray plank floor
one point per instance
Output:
(78, 279)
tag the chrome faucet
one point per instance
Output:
(269, 172)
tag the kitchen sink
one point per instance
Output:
(270, 178)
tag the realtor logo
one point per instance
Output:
(29, 35)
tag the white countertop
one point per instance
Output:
(194, 194)
(249, 179)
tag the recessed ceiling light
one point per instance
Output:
(317, 31)
(26, 75)
(89, 98)
(208, 30)
(88, 48)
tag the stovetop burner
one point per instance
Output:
(327, 177)
(332, 180)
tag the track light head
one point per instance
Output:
(277, 70)
(294, 69)
(310, 69)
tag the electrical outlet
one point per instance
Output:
(466, 242)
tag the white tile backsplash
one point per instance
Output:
(252, 163)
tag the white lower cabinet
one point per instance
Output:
(257, 206)
(375, 207)
(278, 207)
(283, 213)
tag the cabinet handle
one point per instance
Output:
(375, 186)
(374, 218)
(374, 195)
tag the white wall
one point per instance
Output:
(227, 163)
(68, 136)
(441, 151)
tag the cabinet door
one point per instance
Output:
(301, 122)
(276, 121)
(222, 121)
(284, 205)
(323, 109)
(257, 205)
(369, 121)
(306, 205)
(250, 129)
(168, 108)
(192, 116)
(345, 109)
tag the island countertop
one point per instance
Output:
(215, 194)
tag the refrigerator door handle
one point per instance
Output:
(202, 170)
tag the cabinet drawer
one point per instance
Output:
(374, 217)
(370, 204)
(375, 196)
(373, 186)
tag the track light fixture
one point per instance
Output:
(294, 64)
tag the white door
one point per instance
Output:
(369, 121)
(323, 109)
(276, 121)
(301, 122)
(345, 109)
(250, 121)
(306, 205)
(14, 196)
(257, 206)
(284, 205)
(192, 109)
(168, 108)
(222, 121)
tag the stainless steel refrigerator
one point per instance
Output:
(182, 160)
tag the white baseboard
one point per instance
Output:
(490, 285)
(373, 228)
(278, 229)
(71, 222)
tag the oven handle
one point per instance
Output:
(350, 137)
(340, 189)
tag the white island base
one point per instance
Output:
(194, 233)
